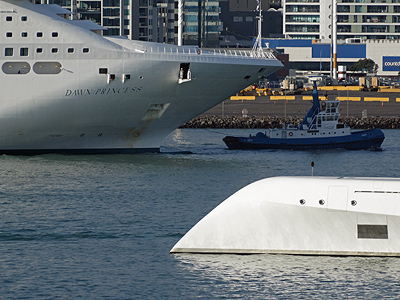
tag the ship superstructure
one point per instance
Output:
(67, 89)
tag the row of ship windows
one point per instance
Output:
(25, 34)
(25, 51)
(25, 68)
(10, 18)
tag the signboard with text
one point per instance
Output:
(391, 63)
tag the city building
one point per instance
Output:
(365, 19)
(240, 23)
(315, 55)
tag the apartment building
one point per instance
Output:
(365, 19)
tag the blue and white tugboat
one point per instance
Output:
(320, 129)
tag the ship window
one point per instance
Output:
(24, 34)
(8, 18)
(54, 34)
(54, 50)
(47, 67)
(16, 68)
(8, 34)
(70, 50)
(103, 71)
(39, 34)
(184, 71)
(23, 51)
(39, 50)
(9, 52)
(24, 18)
(85, 50)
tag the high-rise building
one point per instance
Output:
(150, 20)
(365, 19)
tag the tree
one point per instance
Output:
(365, 64)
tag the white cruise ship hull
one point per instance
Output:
(303, 215)
(119, 96)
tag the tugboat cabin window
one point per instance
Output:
(16, 68)
(39, 34)
(9, 51)
(8, 34)
(23, 51)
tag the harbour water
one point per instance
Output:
(101, 227)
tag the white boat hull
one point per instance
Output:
(83, 110)
(338, 216)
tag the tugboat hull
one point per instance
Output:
(366, 139)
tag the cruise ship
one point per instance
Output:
(67, 89)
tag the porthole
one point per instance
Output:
(23, 51)
(321, 201)
(20, 67)
(302, 201)
(353, 202)
(140, 77)
(47, 67)
(8, 51)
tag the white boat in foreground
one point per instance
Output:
(67, 89)
(303, 215)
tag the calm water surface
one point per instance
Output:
(101, 227)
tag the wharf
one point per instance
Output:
(353, 103)
(358, 109)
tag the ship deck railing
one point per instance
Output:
(214, 52)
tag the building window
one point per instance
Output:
(24, 34)
(39, 34)
(54, 34)
(9, 52)
(8, 34)
(23, 51)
